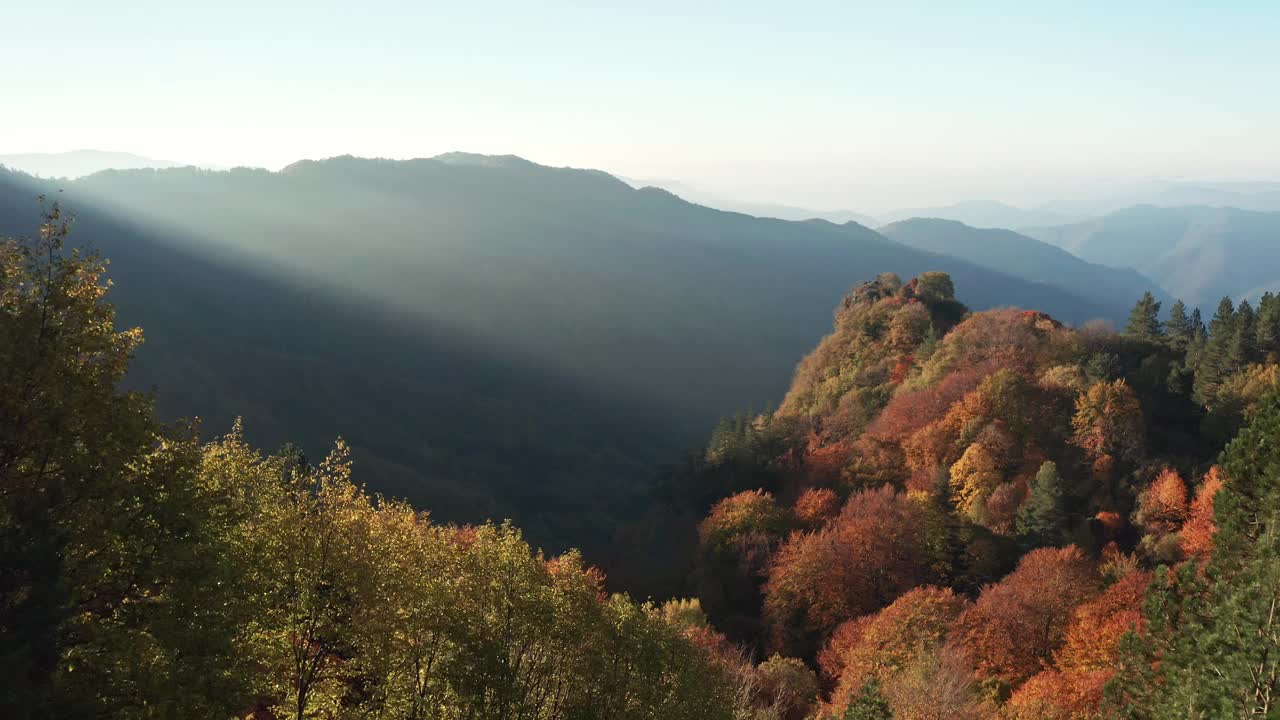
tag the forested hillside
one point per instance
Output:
(962, 515)
(493, 337)
(149, 574)
(950, 514)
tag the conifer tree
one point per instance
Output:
(1212, 360)
(1042, 519)
(868, 704)
(1268, 332)
(1144, 319)
(1199, 339)
(1178, 329)
(1242, 349)
(1212, 649)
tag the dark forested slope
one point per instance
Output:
(494, 337)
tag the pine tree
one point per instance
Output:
(1042, 519)
(1212, 360)
(1199, 339)
(1212, 649)
(1268, 332)
(869, 704)
(928, 345)
(1144, 319)
(1242, 349)
(1178, 329)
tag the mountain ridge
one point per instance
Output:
(670, 313)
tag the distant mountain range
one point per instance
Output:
(1010, 252)
(983, 214)
(495, 338)
(78, 163)
(1198, 254)
(765, 210)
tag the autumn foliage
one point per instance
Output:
(1197, 532)
(861, 561)
(886, 643)
(1015, 627)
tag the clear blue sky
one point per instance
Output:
(828, 104)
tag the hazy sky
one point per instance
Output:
(826, 104)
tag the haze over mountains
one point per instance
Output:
(504, 338)
(1010, 252)
(78, 163)
(1197, 253)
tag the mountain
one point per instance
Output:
(1015, 254)
(982, 214)
(494, 338)
(1195, 253)
(1263, 197)
(1102, 198)
(78, 163)
(764, 210)
(936, 490)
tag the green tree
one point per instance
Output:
(112, 595)
(1042, 519)
(868, 704)
(935, 286)
(1243, 347)
(1213, 359)
(1268, 331)
(1212, 650)
(1178, 330)
(1144, 319)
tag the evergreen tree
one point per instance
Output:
(1212, 360)
(1212, 650)
(1144, 319)
(928, 345)
(1268, 332)
(869, 704)
(1042, 519)
(1178, 330)
(1199, 339)
(1103, 367)
(1242, 349)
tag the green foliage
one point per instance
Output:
(1268, 332)
(504, 339)
(148, 577)
(1042, 519)
(868, 704)
(1144, 320)
(1178, 330)
(1213, 634)
(367, 608)
(1214, 360)
(112, 598)
(936, 287)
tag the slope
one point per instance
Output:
(1196, 253)
(1010, 252)
(498, 338)
(981, 213)
(78, 163)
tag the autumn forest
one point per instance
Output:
(951, 514)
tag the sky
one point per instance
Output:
(827, 105)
